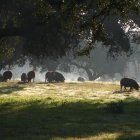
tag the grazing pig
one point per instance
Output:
(58, 77)
(127, 82)
(80, 79)
(49, 77)
(7, 75)
(52, 76)
(24, 77)
(30, 76)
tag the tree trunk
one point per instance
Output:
(92, 76)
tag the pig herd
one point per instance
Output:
(55, 77)
(50, 76)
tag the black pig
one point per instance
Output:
(127, 82)
(52, 76)
(30, 76)
(24, 77)
(7, 75)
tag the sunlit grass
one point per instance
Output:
(67, 111)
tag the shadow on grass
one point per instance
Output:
(48, 119)
(129, 136)
(10, 89)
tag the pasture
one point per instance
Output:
(67, 111)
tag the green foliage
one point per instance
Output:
(52, 27)
(6, 49)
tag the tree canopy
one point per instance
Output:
(53, 27)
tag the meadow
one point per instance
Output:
(68, 111)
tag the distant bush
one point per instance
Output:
(115, 107)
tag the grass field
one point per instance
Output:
(67, 111)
